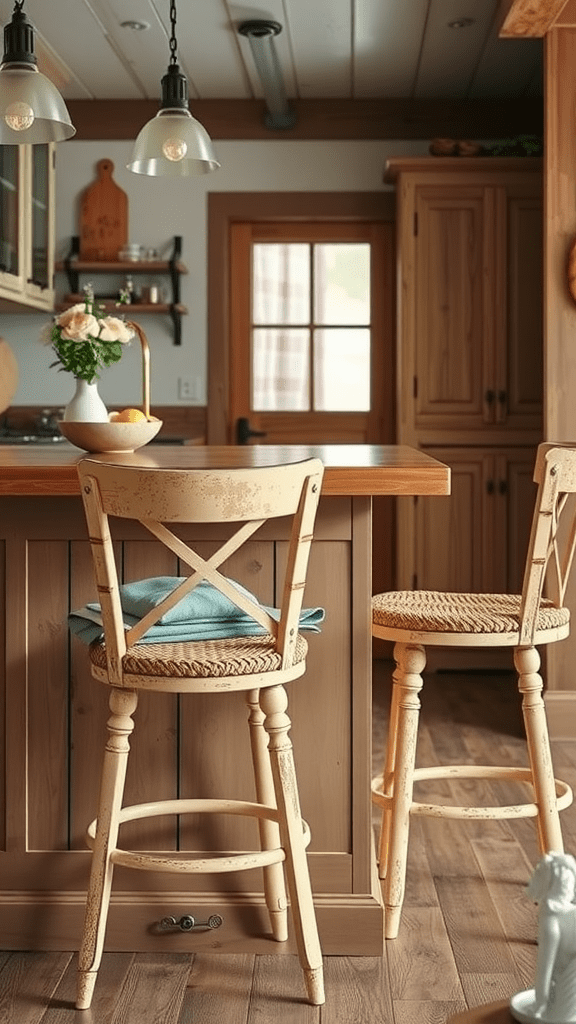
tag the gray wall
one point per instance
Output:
(160, 208)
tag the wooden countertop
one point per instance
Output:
(350, 469)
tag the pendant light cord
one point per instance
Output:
(173, 43)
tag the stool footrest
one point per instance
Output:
(183, 863)
(468, 771)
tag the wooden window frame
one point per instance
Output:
(225, 208)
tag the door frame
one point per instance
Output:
(225, 208)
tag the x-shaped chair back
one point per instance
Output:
(154, 497)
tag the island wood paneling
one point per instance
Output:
(193, 744)
(55, 715)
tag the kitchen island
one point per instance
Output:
(53, 715)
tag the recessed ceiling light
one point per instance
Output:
(136, 26)
(461, 23)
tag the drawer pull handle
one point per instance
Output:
(187, 923)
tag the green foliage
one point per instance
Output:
(84, 358)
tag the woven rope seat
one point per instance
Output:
(232, 656)
(428, 610)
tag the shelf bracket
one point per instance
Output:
(176, 317)
(175, 282)
(172, 263)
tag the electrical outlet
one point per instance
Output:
(187, 389)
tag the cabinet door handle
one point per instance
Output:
(489, 396)
(490, 487)
(502, 397)
(502, 487)
(244, 431)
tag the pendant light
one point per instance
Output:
(32, 110)
(173, 142)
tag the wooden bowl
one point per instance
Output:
(109, 437)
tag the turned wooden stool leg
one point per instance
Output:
(527, 662)
(274, 701)
(410, 659)
(120, 725)
(388, 777)
(274, 884)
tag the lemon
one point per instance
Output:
(130, 416)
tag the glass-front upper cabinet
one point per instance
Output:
(12, 161)
(27, 226)
(40, 270)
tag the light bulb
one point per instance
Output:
(174, 149)
(19, 116)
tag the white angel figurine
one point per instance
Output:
(553, 998)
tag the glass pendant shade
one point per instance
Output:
(32, 110)
(173, 144)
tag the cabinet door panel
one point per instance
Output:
(450, 301)
(449, 531)
(47, 710)
(520, 499)
(477, 538)
(524, 370)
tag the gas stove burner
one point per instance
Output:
(27, 437)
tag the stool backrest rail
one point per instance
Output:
(552, 545)
(245, 498)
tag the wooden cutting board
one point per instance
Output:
(8, 375)
(103, 217)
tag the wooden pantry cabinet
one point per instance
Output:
(470, 363)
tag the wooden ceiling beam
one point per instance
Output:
(324, 119)
(528, 18)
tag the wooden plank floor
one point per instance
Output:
(467, 935)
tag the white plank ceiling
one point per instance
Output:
(358, 49)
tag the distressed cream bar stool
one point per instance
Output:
(259, 665)
(420, 618)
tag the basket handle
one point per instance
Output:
(145, 367)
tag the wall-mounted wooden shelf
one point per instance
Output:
(172, 268)
(112, 306)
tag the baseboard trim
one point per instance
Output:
(561, 713)
(351, 925)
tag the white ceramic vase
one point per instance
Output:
(86, 406)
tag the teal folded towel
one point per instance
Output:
(203, 614)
